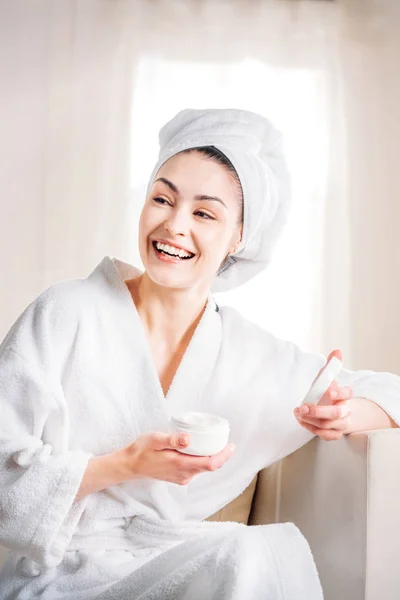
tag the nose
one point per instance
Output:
(178, 222)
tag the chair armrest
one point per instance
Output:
(345, 498)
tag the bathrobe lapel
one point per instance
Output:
(195, 370)
(197, 365)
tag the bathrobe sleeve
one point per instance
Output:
(39, 475)
(298, 369)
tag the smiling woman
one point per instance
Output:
(97, 501)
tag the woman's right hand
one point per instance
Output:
(155, 455)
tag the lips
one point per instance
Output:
(164, 255)
(173, 245)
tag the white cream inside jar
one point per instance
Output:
(209, 434)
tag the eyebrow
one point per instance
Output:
(174, 188)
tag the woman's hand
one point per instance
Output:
(330, 418)
(155, 456)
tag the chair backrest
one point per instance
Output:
(238, 509)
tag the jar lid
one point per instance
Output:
(200, 420)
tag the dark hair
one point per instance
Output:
(215, 154)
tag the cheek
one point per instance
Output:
(147, 222)
(142, 227)
(214, 243)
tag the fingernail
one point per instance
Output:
(183, 440)
(344, 411)
(334, 394)
(304, 410)
(232, 447)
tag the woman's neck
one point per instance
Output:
(169, 316)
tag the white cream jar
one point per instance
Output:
(208, 433)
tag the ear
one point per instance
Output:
(234, 248)
(237, 243)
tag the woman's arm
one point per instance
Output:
(346, 415)
(340, 413)
(39, 474)
(152, 455)
(102, 472)
(365, 415)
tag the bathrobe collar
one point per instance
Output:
(197, 365)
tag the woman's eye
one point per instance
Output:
(200, 212)
(203, 215)
(160, 200)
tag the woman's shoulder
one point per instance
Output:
(57, 308)
(68, 296)
(238, 326)
(244, 341)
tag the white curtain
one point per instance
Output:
(67, 73)
(87, 86)
(370, 59)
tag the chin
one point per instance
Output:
(169, 280)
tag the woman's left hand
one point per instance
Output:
(330, 418)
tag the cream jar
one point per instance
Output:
(208, 433)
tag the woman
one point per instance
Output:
(96, 502)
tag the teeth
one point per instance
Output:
(172, 250)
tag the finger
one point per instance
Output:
(328, 435)
(211, 463)
(203, 463)
(331, 393)
(335, 393)
(330, 396)
(164, 441)
(311, 428)
(337, 353)
(343, 393)
(338, 424)
(343, 403)
(332, 412)
(218, 460)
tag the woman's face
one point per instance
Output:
(192, 205)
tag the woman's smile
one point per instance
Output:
(166, 253)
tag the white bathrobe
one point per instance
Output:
(76, 380)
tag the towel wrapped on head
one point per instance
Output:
(254, 147)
